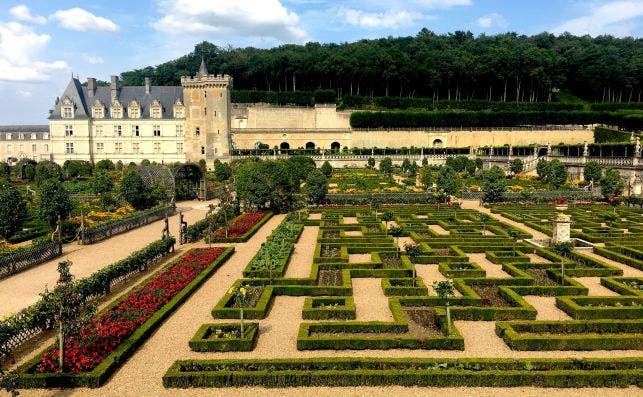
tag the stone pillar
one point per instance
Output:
(560, 232)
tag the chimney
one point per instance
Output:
(114, 88)
(91, 87)
(147, 85)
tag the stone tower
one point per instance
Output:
(207, 120)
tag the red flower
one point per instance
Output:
(105, 333)
(241, 225)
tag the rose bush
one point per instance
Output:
(241, 225)
(105, 333)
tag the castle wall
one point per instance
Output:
(268, 116)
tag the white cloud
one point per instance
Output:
(83, 21)
(24, 93)
(93, 60)
(492, 20)
(389, 19)
(245, 18)
(19, 49)
(442, 4)
(615, 18)
(21, 12)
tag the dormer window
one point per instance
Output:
(33, 135)
(156, 110)
(98, 110)
(116, 110)
(134, 110)
(179, 109)
(21, 136)
(8, 136)
(67, 108)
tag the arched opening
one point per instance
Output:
(26, 169)
(437, 143)
(335, 146)
(284, 146)
(160, 179)
(187, 181)
(310, 145)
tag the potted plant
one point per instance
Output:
(561, 204)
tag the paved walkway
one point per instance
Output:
(23, 289)
(475, 205)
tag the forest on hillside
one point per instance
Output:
(455, 66)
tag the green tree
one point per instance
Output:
(5, 170)
(222, 171)
(516, 166)
(427, 177)
(54, 202)
(484, 219)
(557, 173)
(413, 250)
(386, 166)
(592, 171)
(133, 190)
(101, 182)
(242, 296)
(316, 186)
(448, 180)
(265, 184)
(445, 290)
(371, 162)
(119, 165)
(146, 163)
(542, 168)
(386, 218)
(46, 170)
(105, 165)
(494, 185)
(299, 168)
(425, 162)
(327, 169)
(397, 232)
(13, 210)
(612, 184)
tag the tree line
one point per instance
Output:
(454, 66)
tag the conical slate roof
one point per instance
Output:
(203, 71)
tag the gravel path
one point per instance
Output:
(430, 273)
(402, 241)
(439, 230)
(475, 205)
(595, 287)
(628, 271)
(493, 270)
(23, 289)
(546, 307)
(535, 258)
(370, 302)
(302, 256)
(359, 258)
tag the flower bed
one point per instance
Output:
(101, 346)
(241, 228)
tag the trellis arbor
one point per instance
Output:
(189, 182)
(159, 177)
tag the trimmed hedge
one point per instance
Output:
(373, 371)
(404, 287)
(323, 308)
(203, 341)
(246, 236)
(99, 375)
(572, 335)
(461, 269)
(591, 307)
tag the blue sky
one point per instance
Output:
(42, 42)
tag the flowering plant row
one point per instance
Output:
(241, 225)
(105, 333)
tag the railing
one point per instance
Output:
(24, 258)
(95, 234)
(465, 128)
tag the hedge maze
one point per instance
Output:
(409, 248)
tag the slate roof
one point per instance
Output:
(167, 96)
(25, 130)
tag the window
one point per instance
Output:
(21, 136)
(100, 146)
(99, 130)
(136, 130)
(46, 146)
(68, 112)
(21, 148)
(117, 112)
(197, 131)
(118, 130)
(98, 112)
(179, 147)
(34, 148)
(69, 147)
(134, 111)
(33, 135)
(215, 113)
(69, 130)
(8, 136)
(157, 147)
(136, 147)
(202, 149)
(179, 130)
(157, 130)
(9, 148)
(205, 111)
(156, 112)
(118, 147)
(45, 135)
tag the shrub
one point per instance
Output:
(13, 210)
(386, 166)
(592, 171)
(105, 165)
(101, 182)
(316, 186)
(327, 169)
(46, 170)
(133, 190)
(54, 202)
(517, 166)
(612, 184)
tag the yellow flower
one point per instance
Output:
(231, 290)
(242, 291)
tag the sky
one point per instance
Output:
(44, 42)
